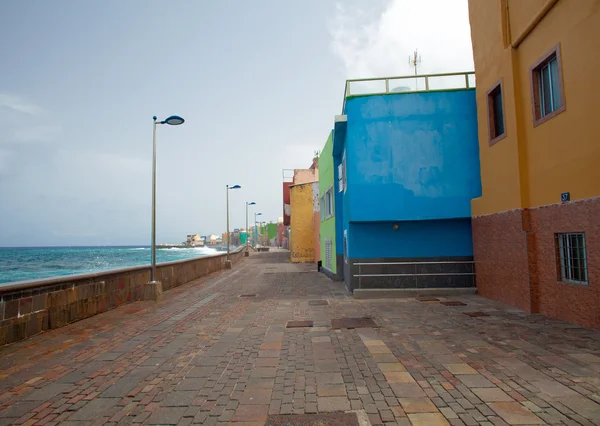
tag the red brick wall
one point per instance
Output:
(500, 252)
(569, 302)
(516, 261)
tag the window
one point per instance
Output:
(572, 262)
(329, 203)
(345, 246)
(328, 252)
(495, 114)
(344, 173)
(547, 90)
(322, 208)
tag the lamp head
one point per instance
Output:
(173, 120)
(234, 187)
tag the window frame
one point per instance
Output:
(564, 272)
(534, 72)
(322, 207)
(492, 139)
(329, 194)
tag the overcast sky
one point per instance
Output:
(258, 82)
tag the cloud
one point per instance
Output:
(378, 43)
(19, 104)
(38, 133)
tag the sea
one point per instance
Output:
(34, 263)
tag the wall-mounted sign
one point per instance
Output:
(565, 196)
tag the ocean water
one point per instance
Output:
(33, 263)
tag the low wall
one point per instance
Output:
(28, 308)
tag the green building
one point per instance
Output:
(329, 261)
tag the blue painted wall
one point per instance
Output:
(411, 156)
(425, 238)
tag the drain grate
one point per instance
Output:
(298, 324)
(319, 302)
(427, 299)
(247, 295)
(453, 303)
(476, 314)
(364, 322)
(322, 419)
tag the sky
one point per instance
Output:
(258, 83)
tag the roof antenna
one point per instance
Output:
(415, 61)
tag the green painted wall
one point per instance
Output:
(272, 230)
(326, 182)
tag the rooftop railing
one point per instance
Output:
(408, 83)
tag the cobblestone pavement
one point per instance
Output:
(217, 351)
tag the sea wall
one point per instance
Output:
(28, 308)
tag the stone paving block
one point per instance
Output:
(333, 403)
(251, 413)
(201, 372)
(398, 377)
(166, 416)
(178, 399)
(460, 368)
(329, 378)
(583, 406)
(256, 396)
(475, 381)
(407, 390)
(94, 409)
(331, 390)
(491, 394)
(264, 372)
(48, 392)
(428, 419)
(391, 366)
(417, 405)
(514, 413)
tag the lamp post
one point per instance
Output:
(153, 290)
(252, 203)
(255, 228)
(227, 261)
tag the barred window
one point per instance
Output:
(572, 257)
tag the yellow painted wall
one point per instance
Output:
(302, 244)
(533, 165)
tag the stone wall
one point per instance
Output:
(27, 309)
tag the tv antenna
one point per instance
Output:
(415, 61)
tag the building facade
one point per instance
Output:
(302, 236)
(407, 167)
(331, 263)
(536, 226)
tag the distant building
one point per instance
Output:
(194, 240)
(304, 223)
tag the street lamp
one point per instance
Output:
(227, 261)
(252, 203)
(255, 228)
(153, 291)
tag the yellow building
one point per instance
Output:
(536, 227)
(302, 236)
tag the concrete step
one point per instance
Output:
(387, 293)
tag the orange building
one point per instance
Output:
(536, 227)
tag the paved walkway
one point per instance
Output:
(208, 355)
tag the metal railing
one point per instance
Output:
(454, 80)
(360, 265)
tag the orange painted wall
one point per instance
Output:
(533, 165)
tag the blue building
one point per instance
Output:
(406, 168)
